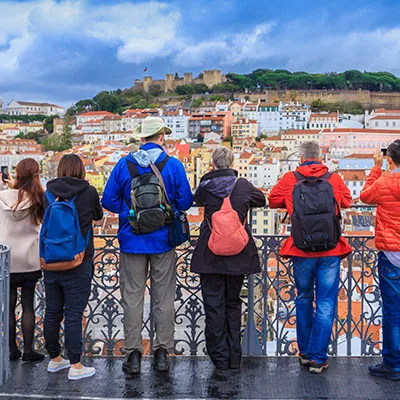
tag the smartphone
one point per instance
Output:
(384, 151)
(4, 173)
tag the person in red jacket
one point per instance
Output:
(384, 191)
(321, 269)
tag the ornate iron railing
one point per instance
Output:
(269, 318)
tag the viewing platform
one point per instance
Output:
(269, 337)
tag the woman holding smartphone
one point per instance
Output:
(21, 214)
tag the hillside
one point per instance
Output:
(255, 82)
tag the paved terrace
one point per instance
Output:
(195, 378)
(269, 331)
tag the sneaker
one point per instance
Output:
(304, 360)
(55, 366)
(381, 371)
(161, 360)
(76, 374)
(317, 368)
(33, 357)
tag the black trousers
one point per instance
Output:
(223, 306)
(67, 294)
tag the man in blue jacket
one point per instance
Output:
(139, 251)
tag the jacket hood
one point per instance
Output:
(219, 183)
(144, 157)
(67, 187)
(317, 170)
(8, 200)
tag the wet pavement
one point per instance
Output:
(195, 378)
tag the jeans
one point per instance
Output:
(67, 294)
(314, 327)
(223, 308)
(389, 283)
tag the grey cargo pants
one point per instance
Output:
(134, 270)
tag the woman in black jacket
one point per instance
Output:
(67, 292)
(222, 277)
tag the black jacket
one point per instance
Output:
(214, 187)
(87, 203)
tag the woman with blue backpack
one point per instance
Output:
(66, 252)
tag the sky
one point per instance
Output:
(68, 50)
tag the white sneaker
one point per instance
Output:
(86, 372)
(55, 366)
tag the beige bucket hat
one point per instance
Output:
(152, 126)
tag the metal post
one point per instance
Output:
(250, 344)
(5, 312)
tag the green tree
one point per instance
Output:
(197, 102)
(107, 101)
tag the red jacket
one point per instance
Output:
(281, 197)
(385, 192)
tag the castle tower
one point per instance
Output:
(147, 81)
(188, 78)
(212, 77)
(169, 83)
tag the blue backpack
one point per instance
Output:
(62, 245)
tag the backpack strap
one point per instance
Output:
(160, 165)
(156, 170)
(133, 170)
(50, 197)
(300, 177)
(326, 176)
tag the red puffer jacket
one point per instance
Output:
(385, 192)
(281, 197)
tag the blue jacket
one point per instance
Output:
(117, 193)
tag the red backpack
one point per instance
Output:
(228, 234)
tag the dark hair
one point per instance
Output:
(27, 183)
(71, 165)
(393, 151)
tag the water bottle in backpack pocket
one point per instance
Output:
(316, 214)
(62, 246)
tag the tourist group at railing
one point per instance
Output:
(52, 232)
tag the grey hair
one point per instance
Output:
(222, 158)
(309, 150)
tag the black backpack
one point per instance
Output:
(316, 214)
(149, 208)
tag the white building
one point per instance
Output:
(294, 115)
(383, 119)
(267, 116)
(130, 123)
(11, 159)
(263, 172)
(324, 120)
(178, 122)
(92, 115)
(16, 107)
(355, 180)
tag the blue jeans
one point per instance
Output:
(314, 328)
(389, 283)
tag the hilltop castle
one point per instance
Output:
(171, 81)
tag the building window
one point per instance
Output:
(265, 231)
(254, 230)
(265, 213)
(254, 213)
(254, 222)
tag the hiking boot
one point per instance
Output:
(33, 357)
(304, 360)
(161, 363)
(381, 371)
(132, 364)
(317, 368)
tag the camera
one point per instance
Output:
(384, 151)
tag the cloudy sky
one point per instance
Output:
(64, 51)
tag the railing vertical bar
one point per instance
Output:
(349, 303)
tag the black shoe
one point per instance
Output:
(33, 357)
(381, 371)
(15, 355)
(133, 363)
(234, 365)
(161, 363)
